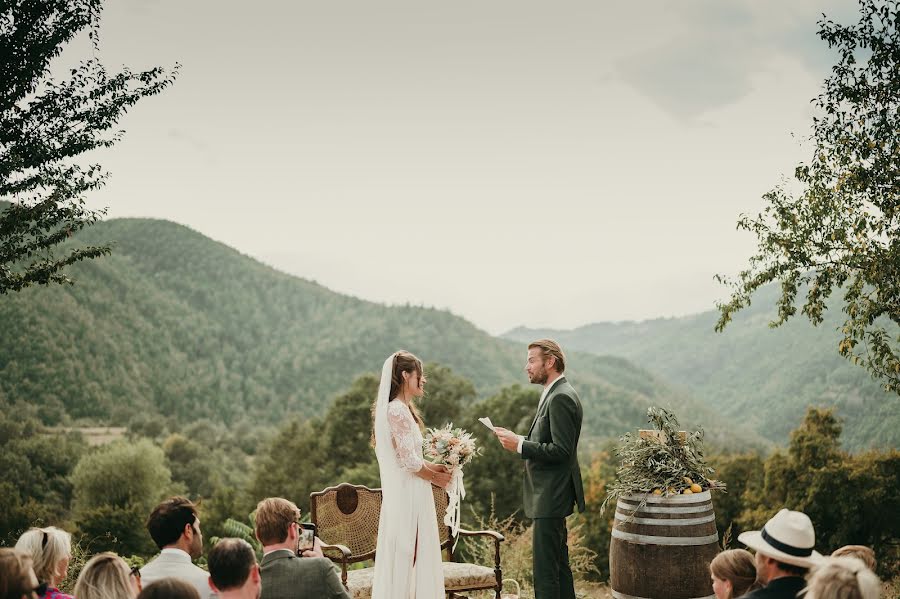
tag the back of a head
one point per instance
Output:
(167, 521)
(866, 554)
(47, 547)
(16, 575)
(274, 517)
(169, 588)
(737, 567)
(842, 578)
(104, 576)
(230, 563)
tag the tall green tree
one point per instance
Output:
(837, 225)
(446, 396)
(36, 464)
(115, 489)
(493, 480)
(45, 125)
(850, 498)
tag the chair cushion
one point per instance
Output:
(359, 582)
(457, 577)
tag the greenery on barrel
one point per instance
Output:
(667, 463)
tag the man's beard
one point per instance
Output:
(539, 378)
(197, 549)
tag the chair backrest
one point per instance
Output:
(348, 515)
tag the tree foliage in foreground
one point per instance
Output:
(837, 226)
(45, 124)
(851, 498)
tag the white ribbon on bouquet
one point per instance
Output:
(456, 491)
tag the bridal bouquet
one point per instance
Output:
(454, 448)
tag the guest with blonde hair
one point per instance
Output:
(842, 578)
(50, 549)
(17, 579)
(733, 573)
(108, 576)
(866, 554)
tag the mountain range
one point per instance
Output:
(752, 373)
(178, 325)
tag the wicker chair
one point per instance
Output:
(346, 519)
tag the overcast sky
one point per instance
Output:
(517, 162)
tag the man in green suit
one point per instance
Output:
(284, 574)
(552, 482)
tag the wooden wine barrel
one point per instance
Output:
(663, 549)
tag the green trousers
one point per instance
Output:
(552, 575)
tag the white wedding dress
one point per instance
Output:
(407, 506)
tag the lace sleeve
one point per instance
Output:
(406, 442)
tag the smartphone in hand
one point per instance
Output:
(307, 537)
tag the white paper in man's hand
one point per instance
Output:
(487, 422)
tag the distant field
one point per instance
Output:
(94, 435)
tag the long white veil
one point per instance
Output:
(384, 449)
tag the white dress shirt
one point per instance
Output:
(177, 564)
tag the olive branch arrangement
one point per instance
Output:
(667, 463)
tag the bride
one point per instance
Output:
(408, 554)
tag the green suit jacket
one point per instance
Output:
(552, 483)
(286, 576)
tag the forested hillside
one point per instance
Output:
(752, 373)
(178, 325)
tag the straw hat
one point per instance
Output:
(788, 537)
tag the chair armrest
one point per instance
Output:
(475, 533)
(498, 538)
(345, 555)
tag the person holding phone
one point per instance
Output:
(289, 570)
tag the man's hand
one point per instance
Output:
(508, 439)
(316, 551)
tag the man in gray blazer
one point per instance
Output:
(552, 484)
(175, 528)
(286, 575)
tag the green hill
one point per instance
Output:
(750, 372)
(176, 324)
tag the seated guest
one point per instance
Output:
(175, 528)
(169, 588)
(733, 573)
(860, 552)
(233, 571)
(784, 554)
(17, 579)
(107, 576)
(842, 578)
(50, 550)
(285, 575)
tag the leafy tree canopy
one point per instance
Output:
(45, 124)
(837, 225)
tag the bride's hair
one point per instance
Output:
(403, 362)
